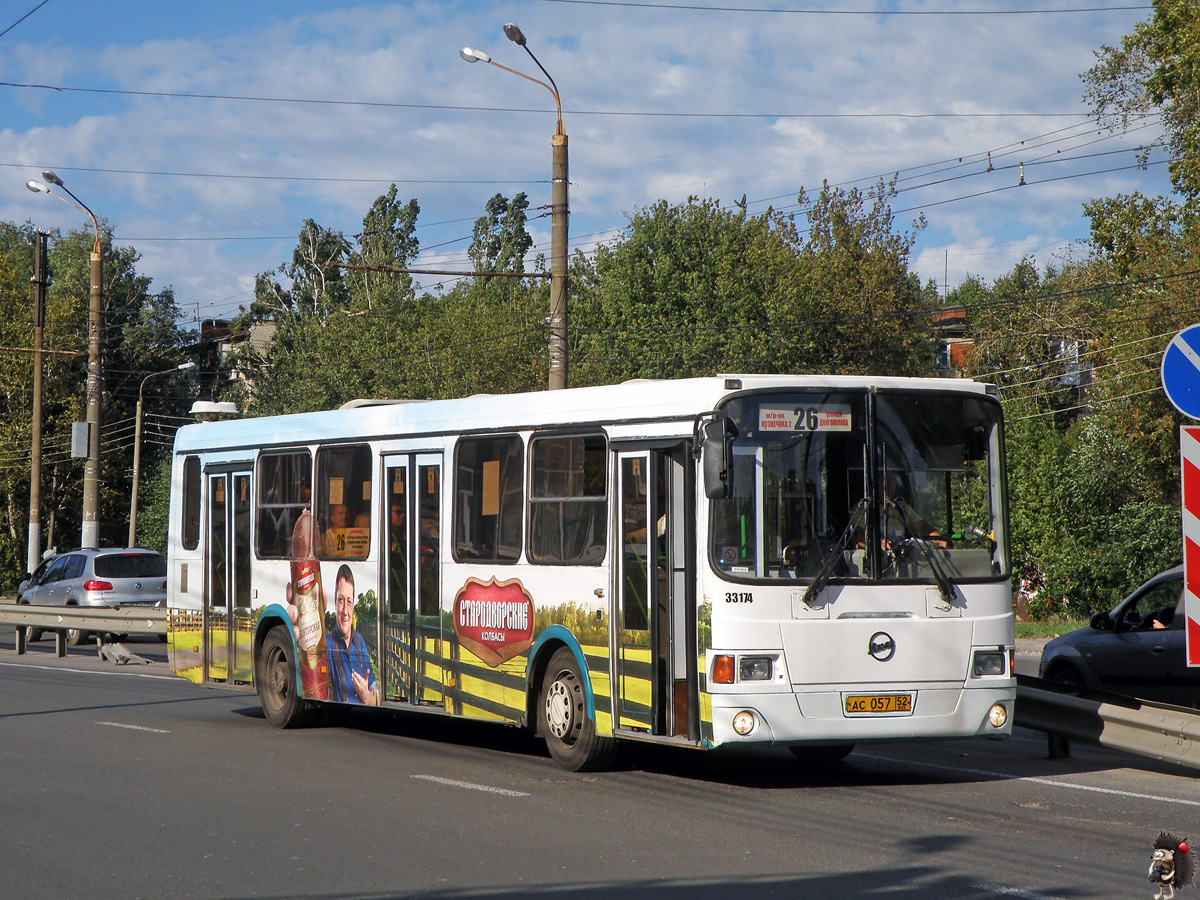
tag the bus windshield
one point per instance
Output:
(885, 486)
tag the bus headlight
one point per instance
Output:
(997, 715)
(756, 668)
(744, 722)
(987, 662)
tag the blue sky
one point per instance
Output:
(661, 100)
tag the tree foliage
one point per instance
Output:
(696, 288)
(142, 335)
(1157, 68)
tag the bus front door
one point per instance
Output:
(228, 624)
(411, 634)
(655, 688)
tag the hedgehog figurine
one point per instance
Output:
(1172, 865)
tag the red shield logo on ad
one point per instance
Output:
(494, 620)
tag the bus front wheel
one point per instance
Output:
(569, 732)
(276, 682)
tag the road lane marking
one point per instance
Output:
(1012, 892)
(133, 727)
(1031, 778)
(488, 789)
(49, 667)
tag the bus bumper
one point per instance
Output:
(937, 712)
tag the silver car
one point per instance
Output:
(96, 577)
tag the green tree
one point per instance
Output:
(388, 240)
(500, 239)
(1156, 68)
(694, 289)
(142, 335)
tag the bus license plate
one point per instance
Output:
(869, 704)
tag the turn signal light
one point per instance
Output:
(723, 670)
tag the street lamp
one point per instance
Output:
(90, 531)
(559, 211)
(137, 446)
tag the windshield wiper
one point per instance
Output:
(945, 585)
(833, 557)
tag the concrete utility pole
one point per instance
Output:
(559, 211)
(41, 281)
(90, 531)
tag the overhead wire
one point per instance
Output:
(874, 12)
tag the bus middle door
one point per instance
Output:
(411, 634)
(654, 679)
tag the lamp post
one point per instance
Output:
(137, 447)
(90, 531)
(559, 211)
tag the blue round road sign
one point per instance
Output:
(1181, 371)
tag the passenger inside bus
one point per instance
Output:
(330, 544)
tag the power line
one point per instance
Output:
(1099, 401)
(177, 95)
(23, 18)
(874, 12)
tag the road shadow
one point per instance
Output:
(852, 883)
(756, 767)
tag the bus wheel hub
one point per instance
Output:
(559, 709)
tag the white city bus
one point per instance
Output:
(809, 561)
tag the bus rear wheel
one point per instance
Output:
(569, 732)
(276, 681)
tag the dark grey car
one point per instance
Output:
(1138, 648)
(96, 577)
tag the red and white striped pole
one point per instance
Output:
(1189, 465)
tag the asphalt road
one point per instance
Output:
(125, 782)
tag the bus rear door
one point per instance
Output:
(228, 624)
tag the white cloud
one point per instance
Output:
(603, 59)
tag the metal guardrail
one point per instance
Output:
(102, 620)
(1064, 713)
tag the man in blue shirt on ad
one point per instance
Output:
(349, 663)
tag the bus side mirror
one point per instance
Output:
(716, 455)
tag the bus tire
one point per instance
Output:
(275, 680)
(570, 734)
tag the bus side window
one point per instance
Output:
(568, 505)
(190, 508)
(284, 492)
(489, 497)
(343, 507)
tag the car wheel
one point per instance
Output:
(277, 682)
(1066, 676)
(32, 634)
(75, 636)
(569, 732)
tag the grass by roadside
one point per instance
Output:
(1048, 629)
